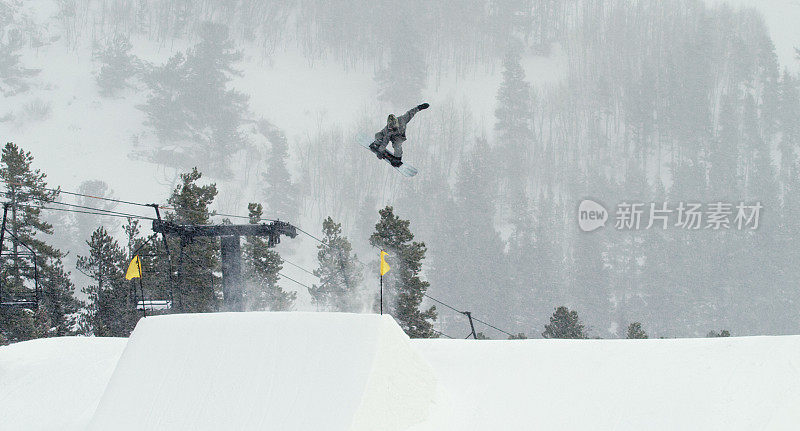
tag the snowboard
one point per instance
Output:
(405, 168)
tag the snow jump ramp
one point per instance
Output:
(277, 371)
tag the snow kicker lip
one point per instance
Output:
(288, 371)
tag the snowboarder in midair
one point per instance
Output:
(394, 132)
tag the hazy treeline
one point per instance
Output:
(662, 103)
(442, 32)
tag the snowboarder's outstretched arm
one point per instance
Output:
(405, 118)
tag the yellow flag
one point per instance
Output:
(384, 266)
(134, 269)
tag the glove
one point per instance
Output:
(423, 106)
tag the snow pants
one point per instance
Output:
(397, 147)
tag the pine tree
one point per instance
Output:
(261, 268)
(626, 255)
(14, 77)
(721, 334)
(132, 231)
(405, 288)
(762, 184)
(761, 264)
(195, 116)
(635, 331)
(564, 324)
(26, 189)
(480, 271)
(340, 273)
(85, 224)
(111, 311)
(657, 272)
(790, 174)
(686, 253)
(400, 83)
(514, 124)
(196, 260)
(589, 271)
(514, 108)
(788, 114)
(118, 65)
(509, 21)
(540, 266)
(723, 154)
(59, 303)
(280, 193)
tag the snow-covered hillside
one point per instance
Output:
(344, 371)
(55, 383)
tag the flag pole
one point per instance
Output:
(141, 288)
(384, 269)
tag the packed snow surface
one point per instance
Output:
(54, 383)
(301, 371)
(282, 371)
(740, 383)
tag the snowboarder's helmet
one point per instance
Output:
(392, 122)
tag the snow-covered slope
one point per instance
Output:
(54, 383)
(298, 371)
(287, 371)
(742, 383)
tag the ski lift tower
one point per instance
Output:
(230, 234)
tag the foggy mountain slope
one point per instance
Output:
(65, 110)
(623, 98)
(781, 17)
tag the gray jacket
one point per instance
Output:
(398, 136)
